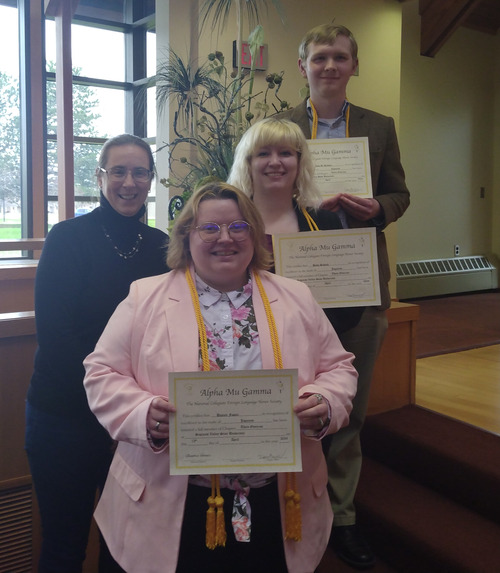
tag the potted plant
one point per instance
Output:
(213, 106)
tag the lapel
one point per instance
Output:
(300, 117)
(180, 325)
(358, 122)
(266, 347)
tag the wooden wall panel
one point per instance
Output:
(19, 528)
(393, 384)
(17, 283)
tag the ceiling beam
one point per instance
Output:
(439, 19)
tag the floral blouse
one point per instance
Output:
(232, 335)
(233, 344)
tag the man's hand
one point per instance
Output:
(361, 208)
(332, 203)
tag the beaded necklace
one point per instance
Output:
(128, 254)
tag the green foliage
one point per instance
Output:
(219, 10)
(85, 101)
(210, 101)
(85, 116)
(10, 145)
(214, 106)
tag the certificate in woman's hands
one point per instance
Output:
(340, 267)
(234, 422)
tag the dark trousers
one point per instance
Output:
(69, 462)
(263, 553)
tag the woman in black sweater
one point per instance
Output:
(85, 270)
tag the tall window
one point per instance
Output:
(10, 150)
(113, 53)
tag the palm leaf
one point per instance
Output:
(217, 11)
(180, 81)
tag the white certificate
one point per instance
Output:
(340, 267)
(342, 166)
(234, 422)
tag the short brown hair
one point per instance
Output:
(125, 139)
(326, 34)
(179, 256)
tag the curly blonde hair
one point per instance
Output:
(275, 131)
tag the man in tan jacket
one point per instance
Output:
(327, 60)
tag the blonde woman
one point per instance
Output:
(273, 166)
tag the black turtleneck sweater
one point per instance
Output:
(81, 278)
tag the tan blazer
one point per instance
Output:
(153, 332)
(387, 174)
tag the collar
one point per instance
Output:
(330, 121)
(113, 216)
(209, 296)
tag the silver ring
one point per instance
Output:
(319, 398)
(157, 427)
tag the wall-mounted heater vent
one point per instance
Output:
(16, 544)
(435, 277)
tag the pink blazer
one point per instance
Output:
(154, 331)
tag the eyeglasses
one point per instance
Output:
(210, 232)
(119, 173)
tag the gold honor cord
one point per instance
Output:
(314, 130)
(215, 535)
(215, 528)
(311, 222)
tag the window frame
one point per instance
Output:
(33, 79)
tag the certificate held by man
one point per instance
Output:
(342, 166)
(234, 422)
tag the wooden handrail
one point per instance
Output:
(21, 244)
(17, 324)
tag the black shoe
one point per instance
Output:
(351, 547)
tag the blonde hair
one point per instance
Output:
(275, 131)
(179, 256)
(326, 34)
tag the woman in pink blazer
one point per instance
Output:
(154, 522)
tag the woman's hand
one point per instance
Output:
(157, 418)
(312, 412)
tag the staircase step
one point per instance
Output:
(416, 530)
(455, 459)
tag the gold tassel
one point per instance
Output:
(220, 527)
(215, 535)
(210, 525)
(293, 513)
(288, 513)
(298, 518)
